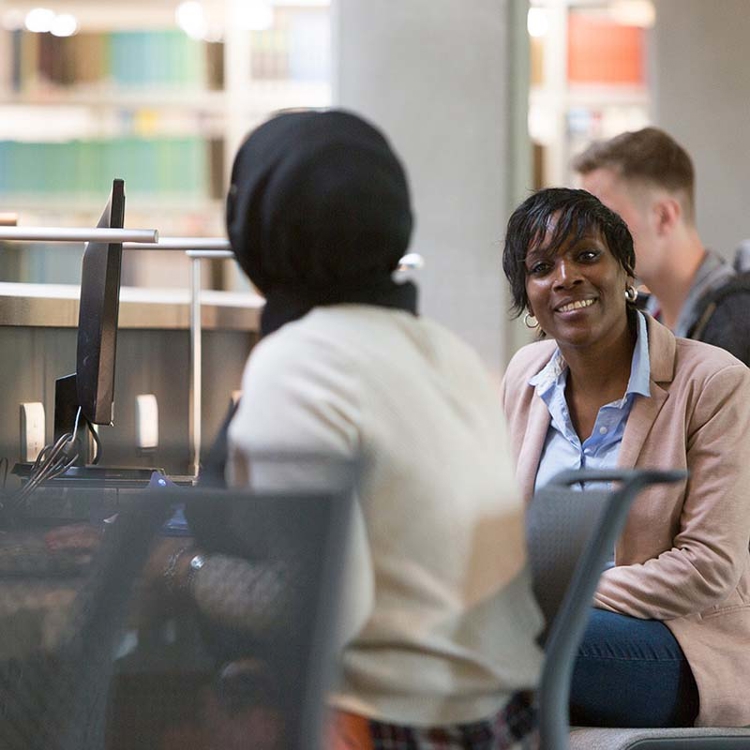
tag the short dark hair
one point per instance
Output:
(577, 213)
(649, 155)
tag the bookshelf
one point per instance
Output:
(131, 94)
(589, 78)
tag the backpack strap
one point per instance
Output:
(739, 284)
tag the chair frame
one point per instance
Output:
(599, 518)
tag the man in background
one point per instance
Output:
(648, 178)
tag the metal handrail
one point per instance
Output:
(218, 247)
(79, 234)
(182, 243)
(196, 248)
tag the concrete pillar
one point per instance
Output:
(701, 95)
(446, 82)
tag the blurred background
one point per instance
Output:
(485, 100)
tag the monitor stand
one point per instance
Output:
(66, 409)
(109, 475)
(84, 472)
(106, 476)
(82, 494)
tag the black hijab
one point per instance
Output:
(318, 213)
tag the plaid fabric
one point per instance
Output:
(512, 729)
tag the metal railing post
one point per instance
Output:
(196, 366)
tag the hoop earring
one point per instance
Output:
(530, 321)
(631, 293)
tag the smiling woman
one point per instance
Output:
(570, 262)
(612, 387)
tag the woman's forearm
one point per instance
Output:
(251, 596)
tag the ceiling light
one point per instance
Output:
(40, 20)
(537, 22)
(191, 19)
(64, 24)
(255, 15)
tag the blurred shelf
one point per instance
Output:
(56, 305)
(91, 203)
(131, 95)
(589, 81)
(258, 96)
(578, 95)
(151, 97)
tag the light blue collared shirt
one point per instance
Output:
(562, 446)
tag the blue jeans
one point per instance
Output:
(631, 673)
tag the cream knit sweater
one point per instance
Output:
(441, 620)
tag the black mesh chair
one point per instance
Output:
(82, 668)
(217, 677)
(570, 535)
(61, 617)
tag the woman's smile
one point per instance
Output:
(580, 304)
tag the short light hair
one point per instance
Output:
(649, 156)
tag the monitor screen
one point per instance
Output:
(91, 388)
(97, 317)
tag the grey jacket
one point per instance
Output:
(717, 309)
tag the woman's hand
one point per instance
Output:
(162, 586)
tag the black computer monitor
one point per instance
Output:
(91, 388)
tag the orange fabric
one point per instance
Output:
(347, 731)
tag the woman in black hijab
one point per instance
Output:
(440, 620)
(318, 213)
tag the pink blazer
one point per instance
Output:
(683, 556)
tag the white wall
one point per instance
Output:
(701, 96)
(438, 77)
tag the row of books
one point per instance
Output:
(186, 166)
(123, 59)
(169, 59)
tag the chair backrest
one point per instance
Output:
(187, 677)
(570, 535)
(265, 672)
